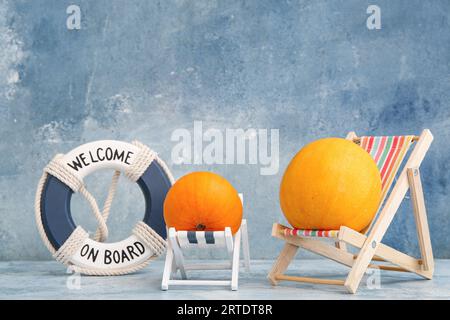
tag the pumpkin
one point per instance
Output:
(203, 201)
(331, 182)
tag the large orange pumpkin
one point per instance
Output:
(330, 183)
(203, 201)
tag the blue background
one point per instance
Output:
(141, 69)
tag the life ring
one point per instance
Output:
(70, 244)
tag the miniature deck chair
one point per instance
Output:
(179, 240)
(388, 153)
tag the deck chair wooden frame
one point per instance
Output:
(178, 240)
(370, 247)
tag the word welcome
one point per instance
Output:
(234, 146)
(119, 256)
(100, 154)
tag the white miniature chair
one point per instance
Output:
(179, 240)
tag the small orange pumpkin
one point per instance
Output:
(203, 201)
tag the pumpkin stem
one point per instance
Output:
(200, 227)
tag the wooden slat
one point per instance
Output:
(375, 258)
(420, 217)
(282, 262)
(310, 280)
(387, 268)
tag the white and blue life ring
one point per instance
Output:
(54, 215)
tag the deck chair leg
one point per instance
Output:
(245, 246)
(177, 254)
(168, 269)
(283, 261)
(229, 242)
(236, 261)
(420, 216)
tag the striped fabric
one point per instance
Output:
(201, 238)
(388, 153)
(192, 237)
(311, 233)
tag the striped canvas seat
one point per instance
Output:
(188, 239)
(311, 233)
(388, 153)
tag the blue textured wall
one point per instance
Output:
(141, 69)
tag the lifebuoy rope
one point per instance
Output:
(152, 239)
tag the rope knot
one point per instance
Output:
(60, 171)
(71, 245)
(150, 237)
(141, 162)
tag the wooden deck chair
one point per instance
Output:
(388, 153)
(178, 240)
